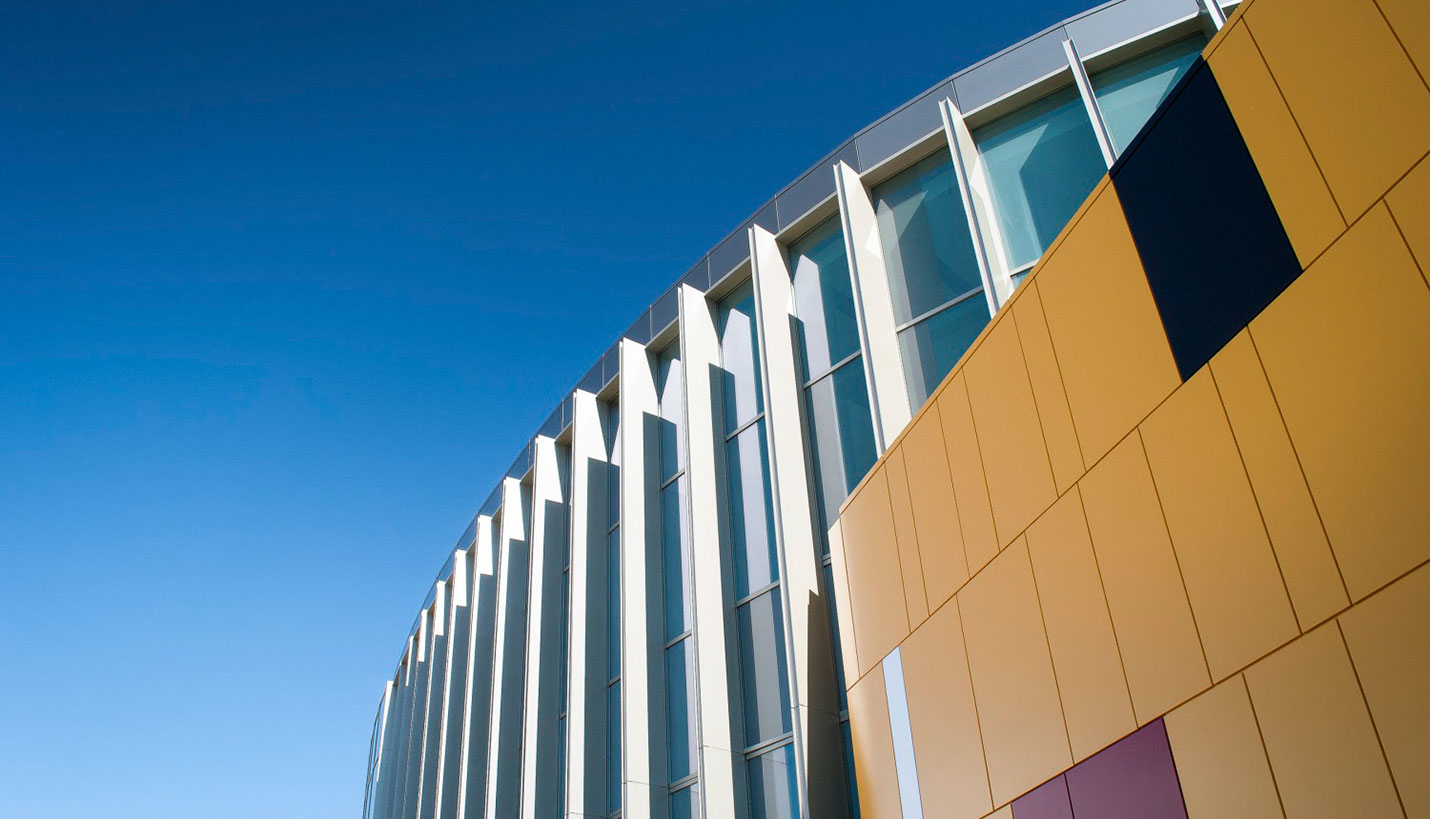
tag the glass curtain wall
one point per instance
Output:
(836, 396)
(937, 289)
(1042, 161)
(676, 580)
(759, 619)
(1129, 93)
(613, 613)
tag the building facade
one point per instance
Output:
(1052, 448)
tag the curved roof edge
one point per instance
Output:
(986, 82)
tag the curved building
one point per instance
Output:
(1054, 447)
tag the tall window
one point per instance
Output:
(759, 620)
(1043, 161)
(675, 559)
(937, 289)
(613, 614)
(837, 399)
(841, 428)
(1129, 93)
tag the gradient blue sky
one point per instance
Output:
(283, 288)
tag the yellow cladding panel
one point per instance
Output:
(1410, 20)
(1090, 680)
(975, 516)
(1291, 519)
(873, 747)
(952, 773)
(876, 588)
(1237, 595)
(1359, 101)
(1058, 432)
(1389, 639)
(1347, 351)
(909, 563)
(1300, 195)
(1023, 733)
(1318, 735)
(1221, 763)
(1112, 350)
(1410, 205)
(935, 513)
(1150, 615)
(1020, 481)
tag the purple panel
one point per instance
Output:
(1048, 801)
(1133, 779)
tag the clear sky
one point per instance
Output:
(284, 287)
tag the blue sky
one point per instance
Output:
(283, 288)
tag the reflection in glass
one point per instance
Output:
(1042, 162)
(772, 785)
(740, 394)
(1129, 93)
(823, 298)
(684, 803)
(841, 435)
(672, 413)
(924, 231)
(675, 560)
(613, 748)
(613, 604)
(680, 709)
(932, 347)
(760, 625)
(752, 519)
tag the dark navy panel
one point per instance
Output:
(1211, 242)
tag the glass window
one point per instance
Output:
(675, 558)
(613, 748)
(849, 770)
(932, 347)
(772, 785)
(752, 519)
(684, 803)
(841, 435)
(841, 428)
(741, 395)
(1129, 93)
(924, 231)
(823, 298)
(672, 414)
(1042, 160)
(613, 604)
(760, 624)
(680, 709)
